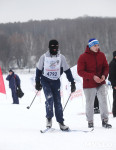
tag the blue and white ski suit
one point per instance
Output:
(48, 71)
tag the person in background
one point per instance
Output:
(14, 83)
(92, 66)
(96, 106)
(49, 69)
(112, 79)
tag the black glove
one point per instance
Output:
(73, 87)
(38, 86)
(18, 87)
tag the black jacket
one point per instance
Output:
(112, 72)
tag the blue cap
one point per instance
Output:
(92, 42)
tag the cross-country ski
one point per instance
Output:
(53, 130)
(20, 127)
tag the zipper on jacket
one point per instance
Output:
(96, 64)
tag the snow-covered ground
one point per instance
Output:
(20, 127)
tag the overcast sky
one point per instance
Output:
(25, 10)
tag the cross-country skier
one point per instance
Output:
(49, 69)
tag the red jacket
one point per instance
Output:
(90, 64)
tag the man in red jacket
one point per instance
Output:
(92, 66)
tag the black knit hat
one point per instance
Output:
(114, 53)
(10, 70)
(53, 42)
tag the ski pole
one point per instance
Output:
(32, 100)
(67, 101)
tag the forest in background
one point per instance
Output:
(22, 43)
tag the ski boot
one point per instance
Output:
(63, 127)
(49, 122)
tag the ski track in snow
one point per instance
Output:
(20, 127)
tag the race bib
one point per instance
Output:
(52, 67)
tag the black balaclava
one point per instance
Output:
(53, 47)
